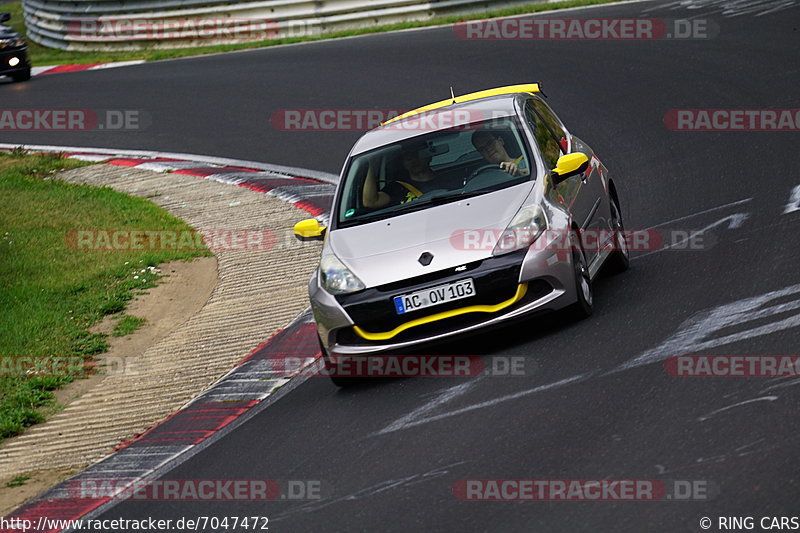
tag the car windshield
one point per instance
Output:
(434, 168)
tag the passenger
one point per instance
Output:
(492, 147)
(419, 179)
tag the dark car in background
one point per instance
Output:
(13, 53)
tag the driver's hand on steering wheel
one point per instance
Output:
(513, 169)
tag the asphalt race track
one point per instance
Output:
(595, 401)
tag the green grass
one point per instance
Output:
(17, 481)
(47, 56)
(127, 324)
(51, 293)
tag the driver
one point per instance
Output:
(492, 147)
(419, 179)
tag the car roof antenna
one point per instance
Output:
(452, 94)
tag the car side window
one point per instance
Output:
(550, 149)
(550, 119)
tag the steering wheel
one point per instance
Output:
(482, 168)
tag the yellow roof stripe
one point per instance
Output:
(385, 335)
(509, 89)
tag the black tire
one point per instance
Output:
(332, 371)
(23, 75)
(620, 259)
(583, 283)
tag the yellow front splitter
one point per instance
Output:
(386, 335)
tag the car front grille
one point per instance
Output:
(495, 279)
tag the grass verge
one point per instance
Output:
(51, 293)
(47, 56)
(127, 324)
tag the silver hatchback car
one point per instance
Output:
(460, 215)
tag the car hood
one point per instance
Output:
(389, 250)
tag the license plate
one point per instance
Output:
(434, 296)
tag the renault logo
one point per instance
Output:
(425, 259)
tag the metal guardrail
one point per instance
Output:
(108, 25)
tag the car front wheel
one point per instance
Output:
(583, 283)
(23, 75)
(333, 370)
(619, 260)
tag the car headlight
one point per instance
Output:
(526, 226)
(337, 278)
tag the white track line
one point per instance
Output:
(223, 161)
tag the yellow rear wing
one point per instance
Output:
(509, 89)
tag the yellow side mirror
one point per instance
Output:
(569, 165)
(309, 230)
